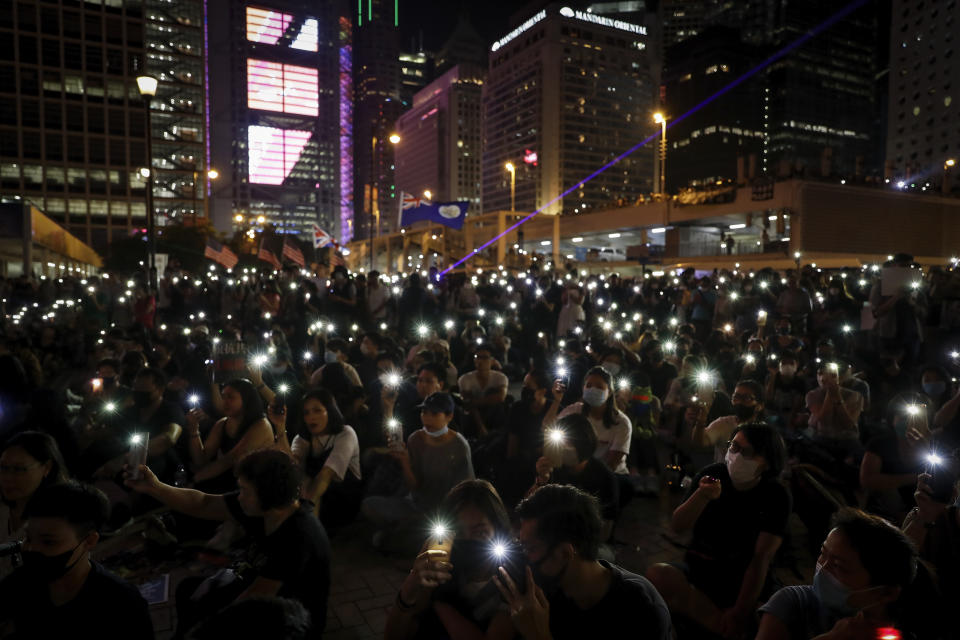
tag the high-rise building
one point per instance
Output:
(922, 130)
(704, 148)
(280, 107)
(684, 19)
(175, 33)
(464, 46)
(439, 150)
(377, 105)
(566, 92)
(416, 72)
(72, 122)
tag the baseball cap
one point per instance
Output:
(439, 402)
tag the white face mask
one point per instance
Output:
(613, 368)
(741, 470)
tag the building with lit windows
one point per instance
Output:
(439, 150)
(723, 141)
(416, 72)
(280, 114)
(566, 92)
(72, 124)
(377, 105)
(923, 134)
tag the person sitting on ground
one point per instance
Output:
(864, 565)
(738, 512)
(569, 593)
(484, 392)
(784, 392)
(747, 408)
(433, 461)
(448, 594)
(583, 471)
(834, 412)
(29, 462)
(59, 592)
(256, 617)
(291, 554)
(244, 428)
(328, 452)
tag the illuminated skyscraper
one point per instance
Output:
(278, 103)
(566, 92)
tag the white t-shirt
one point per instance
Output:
(344, 457)
(615, 438)
(376, 301)
(472, 391)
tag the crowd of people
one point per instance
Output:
(495, 426)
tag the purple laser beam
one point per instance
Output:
(823, 26)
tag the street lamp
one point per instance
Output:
(513, 185)
(212, 174)
(428, 194)
(394, 139)
(148, 89)
(945, 184)
(661, 119)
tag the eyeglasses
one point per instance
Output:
(734, 447)
(739, 397)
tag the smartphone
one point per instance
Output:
(510, 556)
(553, 447)
(943, 477)
(441, 538)
(394, 434)
(137, 454)
(96, 384)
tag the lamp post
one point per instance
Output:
(661, 119)
(148, 89)
(394, 139)
(509, 166)
(945, 186)
(212, 174)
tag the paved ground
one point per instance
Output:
(365, 582)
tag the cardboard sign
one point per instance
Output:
(229, 361)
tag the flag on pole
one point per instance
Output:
(268, 251)
(220, 254)
(415, 209)
(321, 238)
(293, 253)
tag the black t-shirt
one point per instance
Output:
(660, 376)
(154, 424)
(297, 554)
(726, 531)
(631, 602)
(105, 608)
(527, 427)
(597, 480)
(893, 462)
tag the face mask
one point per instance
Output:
(788, 369)
(741, 470)
(527, 395)
(277, 371)
(933, 389)
(470, 557)
(330, 357)
(142, 398)
(594, 397)
(612, 368)
(439, 433)
(109, 381)
(743, 412)
(834, 292)
(782, 331)
(48, 568)
(833, 594)
(549, 584)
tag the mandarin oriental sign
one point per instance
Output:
(585, 16)
(516, 32)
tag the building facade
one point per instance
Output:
(923, 134)
(72, 122)
(439, 150)
(277, 106)
(566, 92)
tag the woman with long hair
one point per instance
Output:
(242, 429)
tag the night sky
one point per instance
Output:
(436, 19)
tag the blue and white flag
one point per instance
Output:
(414, 209)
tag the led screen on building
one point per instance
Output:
(274, 152)
(288, 88)
(268, 27)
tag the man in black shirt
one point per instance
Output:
(59, 592)
(584, 471)
(568, 592)
(290, 555)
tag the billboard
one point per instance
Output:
(274, 152)
(266, 26)
(287, 88)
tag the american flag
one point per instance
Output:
(293, 253)
(267, 253)
(410, 201)
(220, 254)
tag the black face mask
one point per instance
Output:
(470, 558)
(743, 412)
(48, 568)
(109, 381)
(142, 399)
(549, 584)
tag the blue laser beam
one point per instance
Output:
(815, 31)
